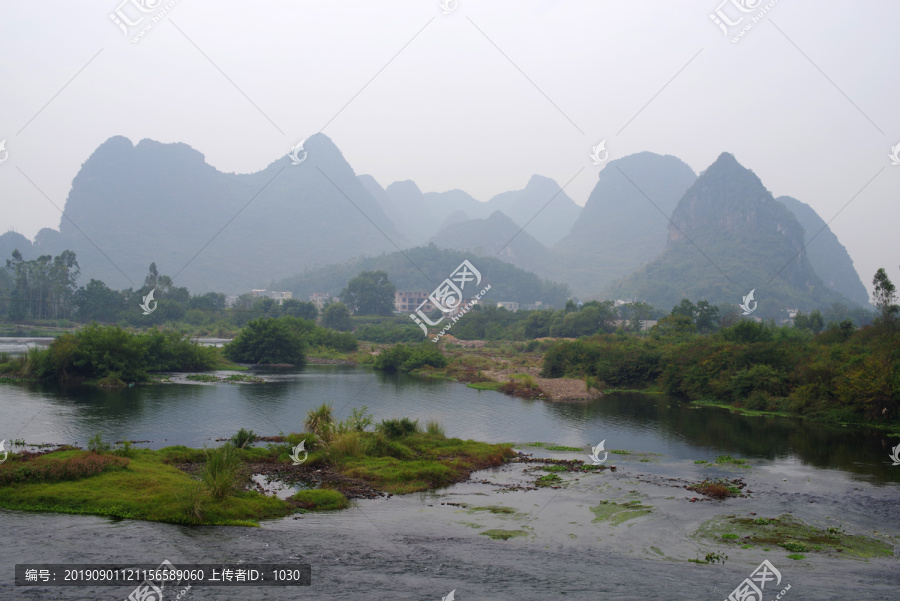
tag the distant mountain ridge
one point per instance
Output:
(154, 202)
(728, 235)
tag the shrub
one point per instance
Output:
(267, 340)
(243, 437)
(96, 444)
(396, 428)
(401, 357)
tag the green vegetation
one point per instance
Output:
(497, 534)
(243, 437)
(369, 293)
(201, 378)
(145, 487)
(617, 513)
(717, 489)
(562, 448)
(97, 352)
(143, 484)
(267, 340)
(842, 374)
(321, 499)
(792, 535)
(401, 357)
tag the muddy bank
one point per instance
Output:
(623, 534)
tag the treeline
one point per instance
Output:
(113, 356)
(843, 373)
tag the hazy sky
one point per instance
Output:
(478, 99)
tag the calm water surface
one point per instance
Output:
(197, 414)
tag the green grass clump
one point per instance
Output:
(562, 448)
(729, 535)
(320, 499)
(221, 471)
(794, 546)
(796, 556)
(701, 461)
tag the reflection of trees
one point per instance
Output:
(817, 444)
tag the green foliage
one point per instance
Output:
(96, 444)
(434, 428)
(401, 357)
(243, 437)
(337, 317)
(396, 428)
(320, 421)
(267, 340)
(221, 471)
(369, 293)
(842, 374)
(389, 333)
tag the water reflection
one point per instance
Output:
(195, 414)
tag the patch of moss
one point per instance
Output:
(548, 480)
(555, 467)
(616, 513)
(796, 556)
(794, 535)
(562, 448)
(497, 534)
(495, 509)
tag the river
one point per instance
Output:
(413, 547)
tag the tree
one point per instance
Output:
(686, 308)
(337, 317)
(298, 308)
(707, 316)
(369, 293)
(267, 340)
(885, 296)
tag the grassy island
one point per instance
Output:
(340, 461)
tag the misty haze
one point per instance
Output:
(449, 300)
